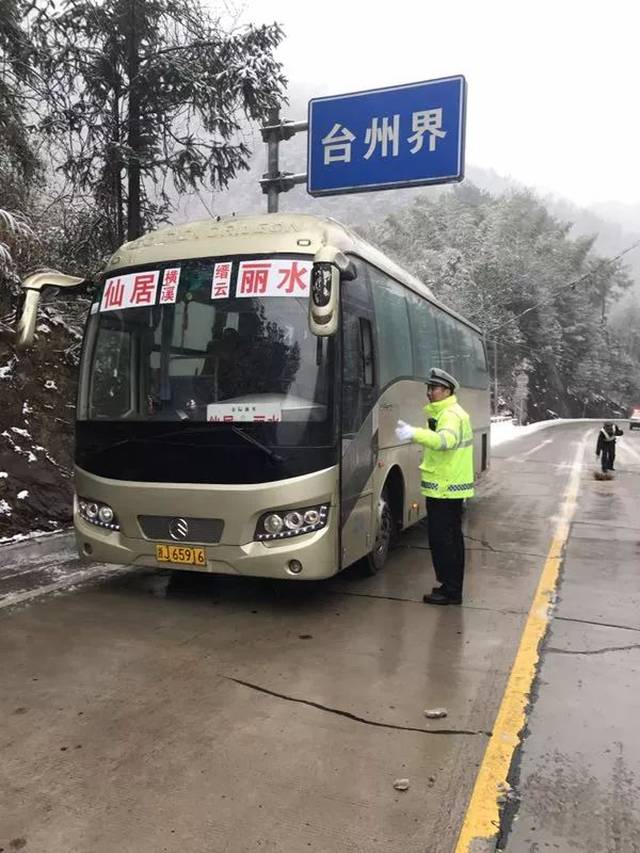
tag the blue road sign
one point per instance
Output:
(403, 136)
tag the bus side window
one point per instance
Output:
(366, 343)
(358, 359)
(451, 353)
(393, 335)
(480, 364)
(426, 352)
(466, 357)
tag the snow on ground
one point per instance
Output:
(31, 457)
(45, 566)
(6, 371)
(506, 430)
(23, 537)
(23, 432)
(36, 430)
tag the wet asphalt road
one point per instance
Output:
(153, 712)
(579, 770)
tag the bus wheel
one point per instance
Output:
(376, 558)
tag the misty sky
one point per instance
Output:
(553, 96)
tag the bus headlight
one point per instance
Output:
(273, 523)
(283, 524)
(105, 514)
(98, 513)
(294, 520)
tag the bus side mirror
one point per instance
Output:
(323, 300)
(330, 266)
(32, 287)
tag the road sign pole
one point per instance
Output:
(274, 181)
(273, 162)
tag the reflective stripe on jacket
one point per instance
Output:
(447, 463)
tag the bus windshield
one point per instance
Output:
(231, 353)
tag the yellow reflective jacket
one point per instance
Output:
(447, 464)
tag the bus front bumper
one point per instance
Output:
(238, 507)
(316, 552)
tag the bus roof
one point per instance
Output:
(277, 233)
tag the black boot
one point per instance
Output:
(438, 596)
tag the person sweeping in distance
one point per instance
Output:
(447, 479)
(606, 446)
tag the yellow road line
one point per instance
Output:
(482, 820)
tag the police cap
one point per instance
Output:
(437, 376)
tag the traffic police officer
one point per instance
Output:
(447, 479)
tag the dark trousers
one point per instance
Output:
(608, 455)
(444, 521)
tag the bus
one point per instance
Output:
(239, 386)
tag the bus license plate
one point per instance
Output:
(181, 555)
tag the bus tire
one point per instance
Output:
(376, 558)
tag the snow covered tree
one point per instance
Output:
(18, 163)
(150, 94)
(508, 265)
(14, 229)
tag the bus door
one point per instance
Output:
(359, 428)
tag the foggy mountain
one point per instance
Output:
(626, 215)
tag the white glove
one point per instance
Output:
(404, 432)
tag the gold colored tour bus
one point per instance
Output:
(240, 384)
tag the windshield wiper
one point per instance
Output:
(270, 453)
(174, 432)
(255, 442)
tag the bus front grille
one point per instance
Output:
(181, 528)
